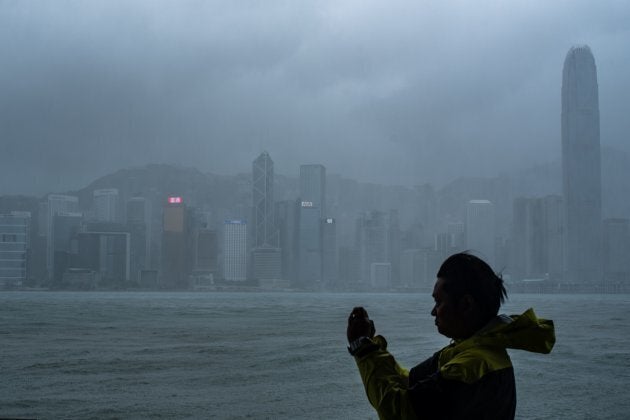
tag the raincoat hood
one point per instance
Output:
(470, 359)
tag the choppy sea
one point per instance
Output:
(124, 355)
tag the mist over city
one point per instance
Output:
(400, 94)
(189, 189)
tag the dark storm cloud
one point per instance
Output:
(403, 92)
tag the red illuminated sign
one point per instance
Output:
(174, 200)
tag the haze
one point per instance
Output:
(404, 92)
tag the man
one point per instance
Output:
(471, 378)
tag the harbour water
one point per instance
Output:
(274, 355)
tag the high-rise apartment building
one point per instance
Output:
(581, 168)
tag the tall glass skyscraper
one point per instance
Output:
(312, 213)
(581, 168)
(264, 227)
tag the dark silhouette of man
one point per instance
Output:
(471, 378)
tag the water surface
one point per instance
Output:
(274, 355)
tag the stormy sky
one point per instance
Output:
(396, 92)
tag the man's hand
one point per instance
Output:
(359, 325)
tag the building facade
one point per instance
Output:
(14, 248)
(235, 250)
(55, 204)
(176, 245)
(138, 225)
(263, 205)
(312, 213)
(105, 203)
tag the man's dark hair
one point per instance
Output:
(466, 274)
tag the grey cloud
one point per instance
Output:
(403, 92)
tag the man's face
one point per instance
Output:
(447, 313)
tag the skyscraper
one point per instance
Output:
(176, 244)
(14, 248)
(264, 228)
(138, 225)
(235, 250)
(312, 211)
(581, 167)
(287, 217)
(265, 254)
(313, 186)
(65, 225)
(55, 204)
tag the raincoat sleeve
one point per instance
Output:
(386, 382)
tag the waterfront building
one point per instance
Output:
(65, 226)
(138, 225)
(206, 250)
(312, 213)
(14, 248)
(176, 244)
(55, 203)
(267, 266)
(235, 250)
(287, 216)
(105, 249)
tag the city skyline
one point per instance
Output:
(388, 241)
